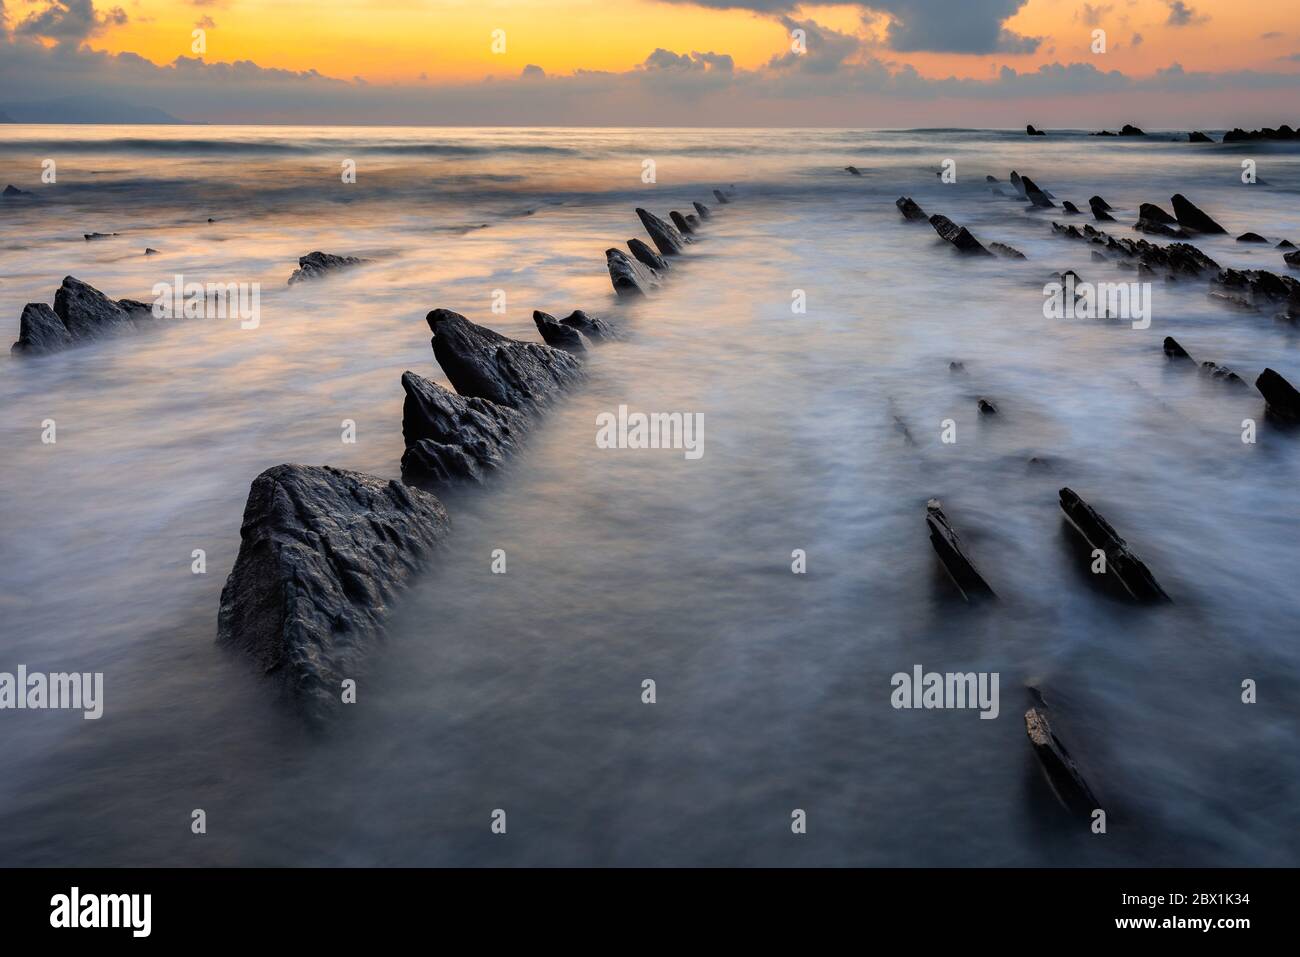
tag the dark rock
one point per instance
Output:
(1173, 350)
(720, 197)
(1238, 135)
(1282, 398)
(956, 366)
(1285, 244)
(484, 364)
(1124, 566)
(693, 221)
(1099, 207)
(910, 210)
(948, 546)
(323, 553)
(1063, 775)
(959, 236)
(557, 335)
(1256, 288)
(1070, 208)
(150, 251)
(1131, 131)
(1251, 238)
(702, 210)
(1191, 217)
(88, 313)
(1018, 182)
(991, 179)
(1159, 229)
(1154, 214)
(1222, 373)
(630, 278)
(665, 236)
(986, 407)
(14, 191)
(1008, 252)
(1098, 257)
(1102, 133)
(680, 222)
(1036, 195)
(595, 329)
(1096, 202)
(449, 437)
(317, 264)
(1030, 131)
(92, 236)
(1292, 259)
(40, 330)
(647, 256)
(1197, 137)
(853, 169)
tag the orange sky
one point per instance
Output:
(398, 40)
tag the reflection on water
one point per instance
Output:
(523, 691)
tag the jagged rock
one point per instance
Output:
(1102, 133)
(680, 222)
(1251, 238)
(1197, 137)
(956, 563)
(1222, 373)
(1030, 131)
(1173, 350)
(1096, 202)
(317, 264)
(557, 335)
(1255, 288)
(40, 330)
(959, 236)
(1159, 229)
(1283, 132)
(665, 236)
(647, 256)
(1070, 208)
(88, 314)
(449, 437)
(1036, 195)
(93, 236)
(1062, 773)
(484, 364)
(323, 553)
(1121, 564)
(1131, 131)
(1008, 252)
(1064, 230)
(910, 210)
(594, 328)
(1280, 395)
(14, 191)
(1192, 217)
(630, 278)
(853, 169)
(986, 407)
(1099, 210)
(702, 210)
(1018, 182)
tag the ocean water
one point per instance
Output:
(522, 691)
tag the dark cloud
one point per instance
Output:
(1090, 15)
(1181, 15)
(532, 72)
(69, 21)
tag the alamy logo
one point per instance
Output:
(651, 430)
(81, 691)
(103, 910)
(1072, 299)
(213, 300)
(931, 689)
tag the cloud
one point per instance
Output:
(1271, 35)
(532, 72)
(1136, 41)
(1181, 15)
(69, 21)
(206, 23)
(1090, 15)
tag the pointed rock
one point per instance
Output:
(720, 196)
(1192, 217)
(1036, 195)
(40, 330)
(910, 210)
(630, 278)
(702, 210)
(680, 221)
(1280, 395)
(647, 256)
(1173, 350)
(1124, 566)
(317, 264)
(594, 328)
(557, 335)
(449, 437)
(959, 236)
(948, 547)
(669, 241)
(1062, 773)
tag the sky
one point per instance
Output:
(1165, 64)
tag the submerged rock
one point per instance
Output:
(1062, 773)
(1251, 238)
(720, 196)
(317, 264)
(40, 330)
(1198, 137)
(1096, 202)
(630, 278)
(1283, 132)
(1222, 373)
(1070, 208)
(959, 236)
(1121, 564)
(910, 210)
(681, 223)
(948, 546)
(1036, 195)
(1173, 350)
(853, 169)
(322, 554)
(484, 364)
(647, 256)
(14, 191)
(665, 236)
(986, 407)
(557, 335)
(1007, 252)
(1030, 131)
(92, 236)
(449, 437)
(1190, 216)
(703, 211)
(1281, 397)
(594, 328)
(1292, 259)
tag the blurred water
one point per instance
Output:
(522, 691)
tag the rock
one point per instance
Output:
(557, 335)
(1036, 195)
(720, 196)
(1098, 257)
(956, 366)
(647, 256)
(702, 210)
(1280, 395)
(1102, 133)
(1154, 214)
(986, 407)
(1191, 217)
(449, 437)
(1222, 373)
(92, 236)
(88, 313)
(595, 329)
(1062, 773)
(14, 191)
(910, 210)
(1009, 252)
(630, 278)
(1099, 207)
(1019, 184)
(853, 169)
(1292, 259)
(1251, 238)
(1285, 244)
(1283, 132)
(484, 364)
(1256, 288)
(317, 264)
(1070, 208)
(40, 330)
(1121, 564)
(1131, 131)
(959, 236)
(1159, 229)
(693, 221)
(1173, 350)
(150, 251)
(948, 546)
(1197, 137)
(664, 235)
(323, 553)
(1096, 202)
(991, 179)
(1030, 131)
(680, 222)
